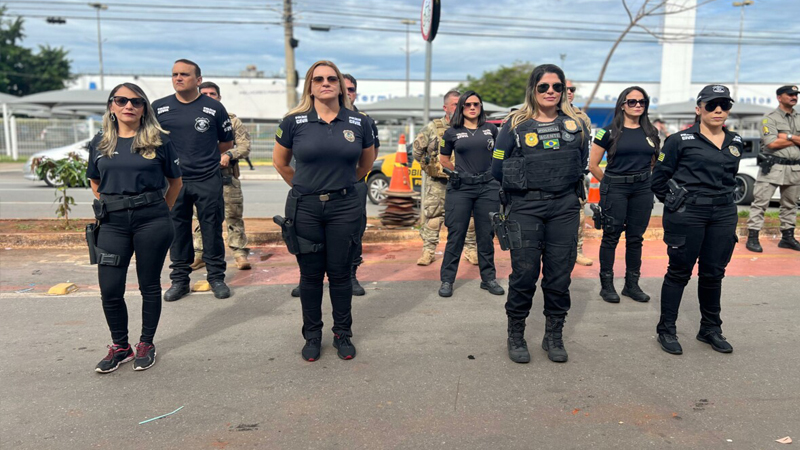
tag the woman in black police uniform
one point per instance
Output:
(700, 222)
(472, 190)
(631, 144)
(130, 164)
(333, 147)
(540, 157)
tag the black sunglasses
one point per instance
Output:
(572, 89)
(470, 105)
(544, 87)
(725, 104)
(351, 90)
(632, 103)
(120, 101)
(331, 79)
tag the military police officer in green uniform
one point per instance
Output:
(780, 168)
(426, 152)
(231, 190)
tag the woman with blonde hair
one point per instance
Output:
(539, 157)
(130, 163)
(333, 148)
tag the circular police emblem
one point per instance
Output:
(149, 154)
(348, 134)
(531, 139)
(718, 89)
(569, 137)
(570, 125)
(490, 144)
(734, 151)
(202, 124)
(650, 141)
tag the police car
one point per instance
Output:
(380, 176)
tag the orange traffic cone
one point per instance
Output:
(400, 185)
(594, 190)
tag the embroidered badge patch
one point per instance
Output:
(531, 139)
(499, 154)
(348, 134)
(766, 130)
(570, 125)
(734, 151)
(150, 154)
(279, 132)
(600, 133)
(202, 124)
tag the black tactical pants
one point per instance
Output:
(627, 207)
(703, 234)
(206, 195)
(478, 200)
(147, 232)
(335, 223)
(551, 229)
(361, 190)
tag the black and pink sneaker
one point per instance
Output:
(116, 355)
(145, 356)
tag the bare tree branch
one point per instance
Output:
(627, 10)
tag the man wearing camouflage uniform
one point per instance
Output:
(426, 152)
(581, 259)
(231, 190)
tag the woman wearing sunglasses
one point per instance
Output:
(333, 148)
(540, 157)
(471, 191)
(130, 163)
(695, 178)
(631, 144)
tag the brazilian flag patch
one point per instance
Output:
(279, 132)
(551, 144)
(499, 154)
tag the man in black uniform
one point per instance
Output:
(201, 131)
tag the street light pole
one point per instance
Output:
(98, 7)
(741, 5)
(407, 23)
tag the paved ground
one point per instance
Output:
(430, 373)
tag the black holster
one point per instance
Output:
(676, 196)
(455, 178)
(295, 244)
(580, 189)
(227, 180)
(597, 215)
(765, 162)
(99, 209)
(96, 254)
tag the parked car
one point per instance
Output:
(80, 147)
(379, 178)
(748, 173)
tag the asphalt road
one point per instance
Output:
(430, 372)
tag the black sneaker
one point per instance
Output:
(669, 343)
(176, 292)
(220, 289)
(116, 355)
(311, 349)
(446, 290)
(716, 340)
(145, 356)
(346, 348)
(492, 287)
(296, 292)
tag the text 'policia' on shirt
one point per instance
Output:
(195, 129)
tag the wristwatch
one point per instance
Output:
(230, 155)
(789, 136)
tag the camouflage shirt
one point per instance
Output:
(426, 146)
(241, 138)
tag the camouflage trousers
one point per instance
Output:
(581, 226)
(234, 209)
(433, 215)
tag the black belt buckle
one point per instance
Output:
(107, 259)
(139, 200)
(324, 197)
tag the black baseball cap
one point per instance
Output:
(789, 89)
(713, 92)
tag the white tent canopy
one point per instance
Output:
(401, 108)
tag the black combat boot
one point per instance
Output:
(552, 342)
(752, 242)
(517, 347)
(788, 240)
(357, 289)
(632, 288)
(607, 290)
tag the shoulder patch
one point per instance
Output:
(661, 156)
(163, 109)
(355, 120)
(209, 111)
(600, 133)
(498, 154)
(279, 132)
(301, 119)
(764, 121)
(687, 137)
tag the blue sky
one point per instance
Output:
(225, 47)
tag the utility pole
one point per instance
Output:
(100, 7)
(289, 45)
(408, 22)
(739, 47)
(563, 61)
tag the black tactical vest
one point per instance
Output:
(547, 156)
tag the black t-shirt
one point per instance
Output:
(195, 129)
(326, 154)
(132, 173)
(473, 147)
(634, 152)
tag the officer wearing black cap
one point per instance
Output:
(695, 177)
(333, 148)
(540, 157)
(780, 169)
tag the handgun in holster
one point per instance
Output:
(96, 254)
(580, 188)
(597, 215)
(455, 178)
(508, 232)
(676, 196)
(765, 162)
(295, 244)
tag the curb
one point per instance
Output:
(263, 238)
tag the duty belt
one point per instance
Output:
(324, 197)
(627, 179)
(541, 195)
(785, 162)
(120, 202)
(480, 178)
(712, 201)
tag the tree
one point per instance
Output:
(21, 71)
(504, 86)
(649, 8)
(67, 172)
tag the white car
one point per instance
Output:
(79, 147)
(746, 180)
